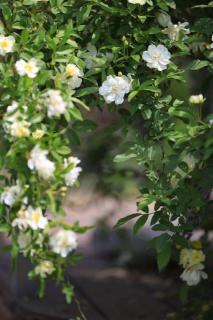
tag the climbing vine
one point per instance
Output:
(61, 57)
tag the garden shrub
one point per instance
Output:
(59, 57)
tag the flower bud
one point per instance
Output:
(163, 18)
(197, 99)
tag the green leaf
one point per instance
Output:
(140, 223)
(86, 91)
(198, 64)
(64, 150)
(124, 220)
(124, 157)
(163, 257)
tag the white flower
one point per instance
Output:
(44, 268)
(38, 134)
(197, 99)
(10, 195)
(55, 103)
(114, 89)
(36, 220)
(73, 174)
(12, 107)
(15, 124)
(38, 161)
(191, 257)
(163, 19)
(6, 44)
(22, 219)
(194, 274)
(29, 68)
(175, 30)
(212, 43)
(63, 242)
(141, 2)
(157, 57)
(75, 75)
(20, 129)
(73, 71)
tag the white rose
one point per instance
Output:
(157, 57)
(55, 103)
(114, 89)
(44, 268)
(75, 75)
(63, 242)
(29, 68)
(38, 161)
(175, 30)
(73, 174)
(10, 195)
(194, 274)
(22, 219)
(6, 44)
(36, 220)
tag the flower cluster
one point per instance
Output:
(191, 260)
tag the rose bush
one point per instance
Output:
(59, 57)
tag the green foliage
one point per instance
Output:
(172, 143)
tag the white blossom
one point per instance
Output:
(114, 89)
(191, 257)
(44, 268)
(197, 99)
(38, 161)
(73, 174)
(38, 134)
(15, 123)
(75, 75)
(29, 68)
(6, 44)
(175, 30)
(36, 220)
(55, 103)
(157, 57)
(194, 274)
(63, 242)
(10, 194)
(12, 107)
(21, 221)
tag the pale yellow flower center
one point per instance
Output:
(64, 242)
(157, 56)
(22, 132)
(36, 216)
(114, 88)
(28, 67)
(5, 44)
(71, 71)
